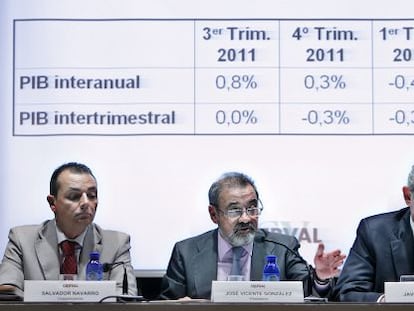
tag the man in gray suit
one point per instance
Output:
(235, 207)
(34, 253)
(383, 251)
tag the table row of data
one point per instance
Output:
(219, 85)
(256, 118)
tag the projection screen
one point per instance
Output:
(313, 100)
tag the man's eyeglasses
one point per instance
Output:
(237, 211)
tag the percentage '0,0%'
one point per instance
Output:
(235, 117)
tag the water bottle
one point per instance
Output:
(271, 270)
(94, 269)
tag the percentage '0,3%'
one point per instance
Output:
(235, 117)
(327, 117)
(324, 82)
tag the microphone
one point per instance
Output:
(263, 237)
(109, 266)
(125, 297)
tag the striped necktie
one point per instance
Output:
(69, 265)
(236, 268)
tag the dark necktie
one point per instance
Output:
(69, 265)
(236, 268)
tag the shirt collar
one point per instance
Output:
(62, 237)
(224, 247)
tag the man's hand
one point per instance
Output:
(327, 264)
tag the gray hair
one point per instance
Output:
(229, 179)
(410, 180)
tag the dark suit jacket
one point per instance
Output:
(32, 254)
(382, 251)
(193, 263)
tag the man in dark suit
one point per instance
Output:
(383, 250)
(34, 253)
(235, 207)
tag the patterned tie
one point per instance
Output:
(236, 268)
(69, 265)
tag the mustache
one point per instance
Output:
(242, 226)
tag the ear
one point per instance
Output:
(213, 213)
(51, 201)
(407, 195)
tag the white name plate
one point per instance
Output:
(68, 291)
(399, 291)
(257, 291)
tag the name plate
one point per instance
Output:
(399, 291)
(257, 291)
(68, 291)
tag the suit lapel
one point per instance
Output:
(205, 264)
(46, 248)
(91, 243)
(258, 261)
(402, 246)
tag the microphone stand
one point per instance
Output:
(125, 296)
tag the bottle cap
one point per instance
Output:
(94, 255)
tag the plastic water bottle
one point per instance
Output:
(271, 270)
(94, 269)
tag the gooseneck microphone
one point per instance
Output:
(109, 266)
(263, 236)
(125, 297)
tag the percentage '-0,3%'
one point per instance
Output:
(236, 82)
(403, 117)
(235, 117)
(327, 117)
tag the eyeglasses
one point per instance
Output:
(236, 211)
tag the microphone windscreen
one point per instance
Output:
(106, 267)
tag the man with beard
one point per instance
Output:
(60, 247)
(235, 207)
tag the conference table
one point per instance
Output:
(203, 306)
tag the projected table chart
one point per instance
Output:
(202, 76)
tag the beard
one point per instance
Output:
(240, 238)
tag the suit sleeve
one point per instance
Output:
(356, 282)
(174, 281)
(294, 267)
(298, 269)
(11, 269)
(122, 254)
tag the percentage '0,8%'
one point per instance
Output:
(236, 82)
(236, 117)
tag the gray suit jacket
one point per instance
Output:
(193, 263)
(382, 251)
(32, 254)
